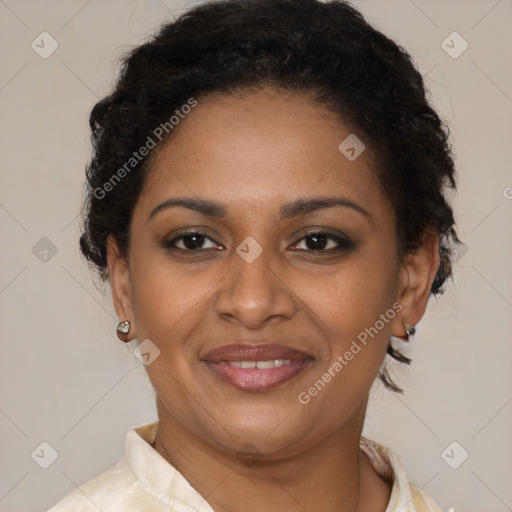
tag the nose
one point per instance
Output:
(255, 293)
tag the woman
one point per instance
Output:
(266, 198)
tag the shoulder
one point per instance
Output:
(103, 492)
(405, 496)
(423, 502)
(141, 480)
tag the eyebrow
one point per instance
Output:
(292, 209)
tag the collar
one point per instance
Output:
(387, 465)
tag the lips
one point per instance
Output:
(260, 352)
(259, 367)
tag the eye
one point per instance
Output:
(195, 241)
(191, 241)
(323, 242)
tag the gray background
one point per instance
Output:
(67, 380)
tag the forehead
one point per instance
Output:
(261, 148)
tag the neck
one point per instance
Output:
(334, 475)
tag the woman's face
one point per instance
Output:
(252, 169)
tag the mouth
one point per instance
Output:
(256, 367)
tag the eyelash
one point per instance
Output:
(343, 243)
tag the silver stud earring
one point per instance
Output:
(409, 329)
(124, 327)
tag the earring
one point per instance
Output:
(122, 330)
(409, 329)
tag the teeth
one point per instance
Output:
(264, 365)
(261, 365)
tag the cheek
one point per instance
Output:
(362, 289)
(168, 299)
(160, 296)
(359, 308)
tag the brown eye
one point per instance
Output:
(191, 241)
(324, 242)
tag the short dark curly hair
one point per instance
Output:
(325, 49)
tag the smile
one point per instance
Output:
(261, 365)
(256, 367)
(257, 375)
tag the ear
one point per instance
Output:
(120, 284)
(417, 274)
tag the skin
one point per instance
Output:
(253, 153)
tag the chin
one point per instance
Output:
(266, 429)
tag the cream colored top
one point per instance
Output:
(144, 481)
